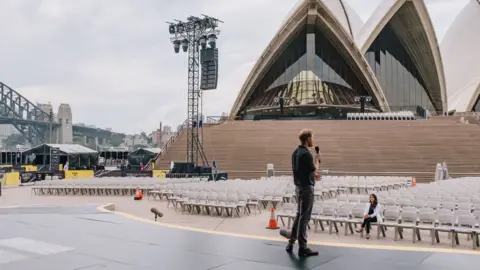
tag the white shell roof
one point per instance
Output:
(373, 22)
(342, 11)
(461, 57)
(345, 14)
(382, 15)
(465, 98)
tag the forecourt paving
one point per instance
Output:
(251, 226)
(81, 236)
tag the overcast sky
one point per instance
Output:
(112, 60)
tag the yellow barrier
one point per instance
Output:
(78, 174)
(159, 173)
(12, 179)
(30, 168)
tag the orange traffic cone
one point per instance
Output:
(138, 195)
(414, 182)
(272, 224)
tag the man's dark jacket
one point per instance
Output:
(303, 167)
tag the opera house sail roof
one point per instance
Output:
(345, 15)
(461, 55)
(401, 47)
(311, 62)
(324, 58)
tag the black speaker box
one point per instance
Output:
(183, 167)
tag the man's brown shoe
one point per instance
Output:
(289, 248)
(306, 252)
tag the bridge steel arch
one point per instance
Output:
(24, 115)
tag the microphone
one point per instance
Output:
(317, 149)
(156, 212)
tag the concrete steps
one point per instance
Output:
(411, 148)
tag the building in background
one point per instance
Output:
(140, 141)
(157, 136)
(128, 142)
(133, 142)
(46, 108)
(7, 130)
(167, 133)
(160, 136)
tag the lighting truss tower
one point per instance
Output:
(193, 35)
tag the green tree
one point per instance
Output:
(13, 140)
(116, 140)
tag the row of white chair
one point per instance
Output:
(218, 203)
(403, 115)
(400, 218)
(100, 186)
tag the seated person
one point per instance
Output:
(372, 214)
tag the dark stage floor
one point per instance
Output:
(68, 238)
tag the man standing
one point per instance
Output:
(305, 172)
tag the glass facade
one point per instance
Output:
(397, 74)
(312, 76)
(476, 106)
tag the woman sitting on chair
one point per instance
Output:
(372, 214)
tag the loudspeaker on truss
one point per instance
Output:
(209, 68)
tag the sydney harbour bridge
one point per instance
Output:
(39, 125)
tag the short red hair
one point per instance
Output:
(304, 135)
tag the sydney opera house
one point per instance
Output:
(322, 61)
(325, 58)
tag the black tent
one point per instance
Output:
(142, 155)
(78, 157)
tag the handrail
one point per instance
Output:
(168, 143)
(341, 172)
(217, 119)
(209, 120)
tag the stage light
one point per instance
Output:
(203, 42)
(362, 100)
(206, 22)
(212, 41)
(185, 45)
(180, 28)
(171, 29)
(176, 46)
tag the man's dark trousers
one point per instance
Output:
(305, 197)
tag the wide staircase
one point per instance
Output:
(407, 148)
